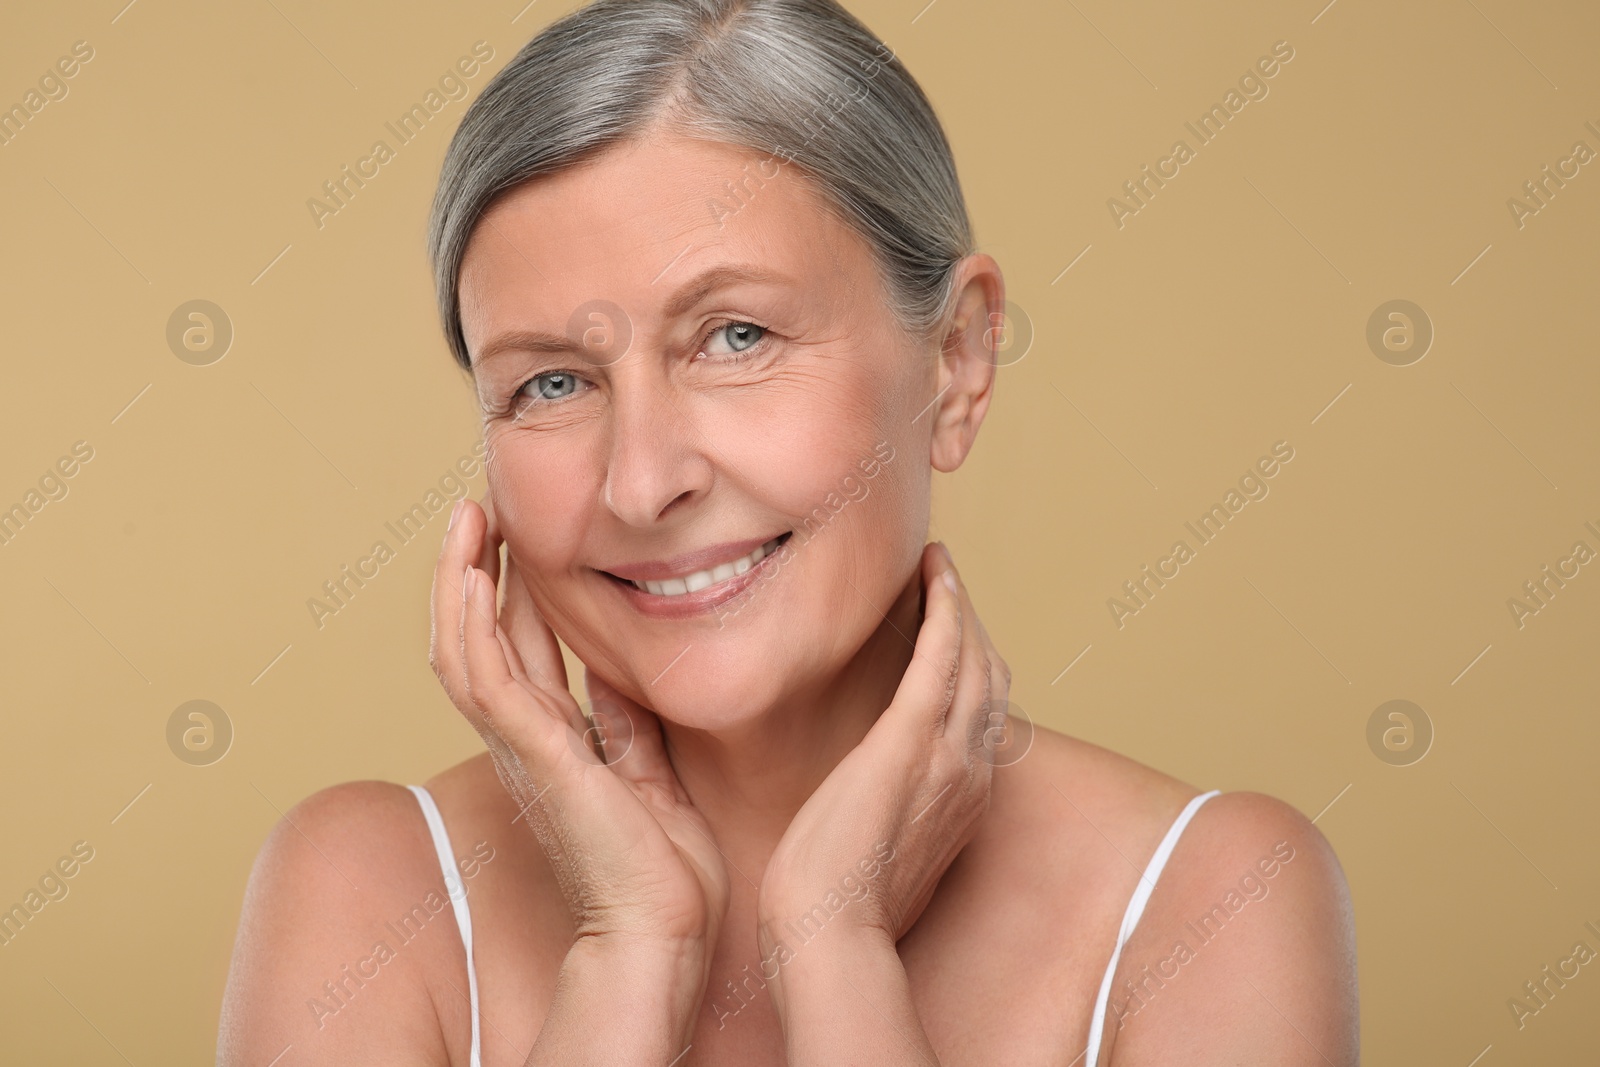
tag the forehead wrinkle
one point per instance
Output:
(783, 213)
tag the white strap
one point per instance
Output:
(458, 898)
(1130, 919)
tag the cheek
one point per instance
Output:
(815, 461)
(883, 530)
(798, 441)
(542, 505)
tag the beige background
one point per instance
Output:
(1228, 314)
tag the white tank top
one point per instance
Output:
(1091, 1053)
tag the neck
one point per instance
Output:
(750, 781)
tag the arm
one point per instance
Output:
(845, 999)
(621, 1002)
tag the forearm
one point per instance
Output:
(844, 998)
(621, 1003)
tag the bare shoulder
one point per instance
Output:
(1240, 851)
(1084, 796)
(1245, 951)
(338, 933)
(1130, 807)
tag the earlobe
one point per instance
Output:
(967, 361)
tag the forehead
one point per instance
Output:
(635, 223)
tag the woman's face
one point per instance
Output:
(682, 357)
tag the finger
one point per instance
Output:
(504, 707)
(513, 657)
(634, 746)
(994, 731)
(531, 650)
(478, 530)
(967, 717)
(444, 641)
(629, 735)
(489, 553)
(999, 669)
(929, 685)
(536, 645)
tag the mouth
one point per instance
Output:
(702, 589)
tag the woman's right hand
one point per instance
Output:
(634, 858)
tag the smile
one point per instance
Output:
(698, 580)
(696, 583)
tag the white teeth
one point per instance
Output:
(690, 583)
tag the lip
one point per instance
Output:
(702, 559)
(702, 601)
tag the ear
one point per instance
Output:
(967, 358)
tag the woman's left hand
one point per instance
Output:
(895, 811)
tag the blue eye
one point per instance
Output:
(554, 385)
(550, 387)
(741, 337)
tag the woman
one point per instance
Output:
(709, 266)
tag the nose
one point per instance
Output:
(657, 461)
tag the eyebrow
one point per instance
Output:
(697, 289)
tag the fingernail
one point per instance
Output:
(950, 580)
(949, 560)
(454, 512)
(469, 582)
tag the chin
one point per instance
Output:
(727, 661)
(732, 663)
(724, 687)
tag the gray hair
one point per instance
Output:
(803, 80)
